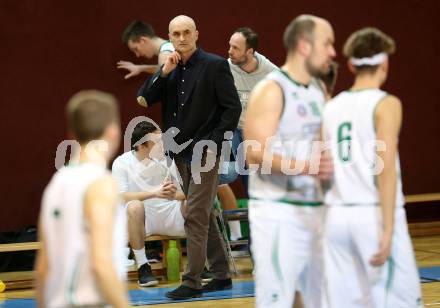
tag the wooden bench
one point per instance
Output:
(36, 245)
(19, 246)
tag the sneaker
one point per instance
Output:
(218, 285)
(146, 277)
(153, 256)
(206, 275)
(184, 292)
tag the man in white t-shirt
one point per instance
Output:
(248, 67)
(141, 39)
(151, 191)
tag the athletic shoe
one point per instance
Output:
(146, 277)
(206, 275)
(218, 285)
(153, 256)
(184, 292)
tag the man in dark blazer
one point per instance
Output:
(199, 104)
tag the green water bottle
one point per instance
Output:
(173, 264)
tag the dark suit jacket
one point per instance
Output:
(212, 105)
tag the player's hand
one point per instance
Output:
(326, 168)
(170, 63)
(167, 191)
(133, 69)
(381, 256)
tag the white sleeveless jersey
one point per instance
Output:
(298, 129)
(348, 126)
(70, 280)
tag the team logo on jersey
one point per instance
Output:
(315, 108)
(302, 111)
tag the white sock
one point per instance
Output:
(234, 227)
(140, 256)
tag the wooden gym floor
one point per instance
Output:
(427, 249)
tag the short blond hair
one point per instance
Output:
(90, 112)
(301, 27)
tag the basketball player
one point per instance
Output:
(369, 259)
(141, 39)
(153, 202)
(82, 226)
(282, 120)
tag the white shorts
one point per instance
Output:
(351, 238)
(164, 218)
(286, 245)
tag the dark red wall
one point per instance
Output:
(51, 49)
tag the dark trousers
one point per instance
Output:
(203, 237)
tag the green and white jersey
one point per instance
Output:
(299, 127)
(349, 128)
(167, 46)
(70, 280)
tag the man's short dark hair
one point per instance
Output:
(302, 27)
(136, 30)
(251, 37)
(140, 131)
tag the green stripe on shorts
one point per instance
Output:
(293, 202)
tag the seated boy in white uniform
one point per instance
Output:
(151, 192)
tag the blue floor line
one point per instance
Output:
(430, 274)
(18, 303)
(157, 295)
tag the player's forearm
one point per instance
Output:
(110, 285)
(180, 196)
(40, 277)
(39, 294)
(41, 268)
(149, 69)
(276, 163)
(387, 182)
(39, 288)
(140, 195)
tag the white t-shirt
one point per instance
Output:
(245, 82)
(132, 175)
